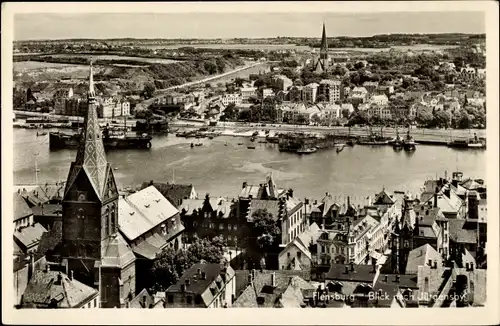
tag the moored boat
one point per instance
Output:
(307, 150)
(409, 143)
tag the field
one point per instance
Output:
(32, 65)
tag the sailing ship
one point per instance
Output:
(473, 143)
(374, 139)
(59, 140)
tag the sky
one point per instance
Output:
(240, 25)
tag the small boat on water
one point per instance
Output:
(339, 145)
(192, 145)
(241, 144)
(397, 143)
(199, 144)
(251, 147)
(307, 150)
(340, 149)
(42, 133)
(374, 140)
(210, 137)
(409, 143)
(225, 144)
(252, 139)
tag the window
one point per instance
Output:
(235, 227)
(229, 237)
(170, 298)
(189, 299)
(299, 254)
(89, 305)
(445, 238)
(426, 285)
(221, 226)
(288, 254)
(229, 227)
(235, 239)
(95, 302)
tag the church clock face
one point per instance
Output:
(82, 196)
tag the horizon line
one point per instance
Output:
(236, 38)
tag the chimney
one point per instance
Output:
(151, 182)
(430, 262)
(435, 264)
(347, 269)
(397, 278)
(187, 281)
(348, 201)
(466, 266)
(198, 271)
(71, 275)
(273, 279)
(244, 185)
(436, 197)
(471, 266)
(386, 278)
(183, 287)
(352, 266)
(203, 276)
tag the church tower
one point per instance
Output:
(323, 62)
(90, 238)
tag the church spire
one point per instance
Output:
(324, 43)
(90, 155)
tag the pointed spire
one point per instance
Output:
(91, 93)
(90, 155)
(324, 43)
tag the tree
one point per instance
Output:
(170, 264)
(238, 81)
(265, 230)
(425, 117)
(442, 118)
(358, 65)
(149, 90)
(210, 67)
(320, 98)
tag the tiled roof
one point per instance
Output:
(459, 234)
(47, 285)
(215, 277)
(471, 184)
(47, 210)
(21, 208)
(115, 252)
(361, 273)
(142, 211)
(420, 256)
(383, 198)
(173, 192)
(142, 300)
(30, 236)
(262, 289)
(189, 205)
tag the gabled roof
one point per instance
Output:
(47, 285)
(49, 240)
(189, 205)
(30, 236)
(459, 234)
(21, 208)
(427, 214)
(383, 198)
(142, 211)
(420, 257)
(216, 276)
(142, 300)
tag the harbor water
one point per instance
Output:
(222, 164)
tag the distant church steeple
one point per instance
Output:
(322, 63)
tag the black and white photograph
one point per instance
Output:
(209, 158)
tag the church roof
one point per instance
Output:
(116, 252)
(90, 156)
(324, 42)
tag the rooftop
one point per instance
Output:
(142, 211)
(175, 193)
(420, 257)
(46, 287)
(21, 208)
(29, 236)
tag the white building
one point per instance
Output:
(231, 99)
(310, 92)
(331, 90)
(247, 92)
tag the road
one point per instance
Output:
(163, 91)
